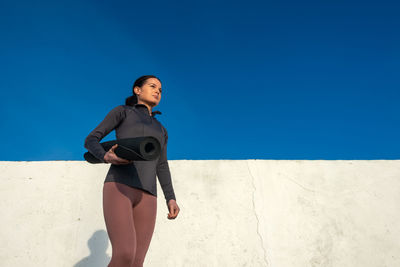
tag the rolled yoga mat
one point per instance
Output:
(138, 148)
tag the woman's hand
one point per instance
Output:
(111, 157)
(173, 209)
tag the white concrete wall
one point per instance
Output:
(233, 213)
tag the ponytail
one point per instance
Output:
(131, 101)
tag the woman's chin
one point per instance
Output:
(154, 103)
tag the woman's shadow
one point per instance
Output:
(98, 245)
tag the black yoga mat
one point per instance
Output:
(138, 148)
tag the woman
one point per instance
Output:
(130, 191)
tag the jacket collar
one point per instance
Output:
(144, 109)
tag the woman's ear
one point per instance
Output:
(137, 90)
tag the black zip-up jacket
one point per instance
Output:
(129, 122)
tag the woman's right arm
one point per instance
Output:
(110, 122)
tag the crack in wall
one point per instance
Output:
(299, 184)
(255, 213)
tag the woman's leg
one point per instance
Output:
(117, 208)
(144, 215)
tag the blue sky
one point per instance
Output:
(241, 79)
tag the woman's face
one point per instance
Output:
(150, 92)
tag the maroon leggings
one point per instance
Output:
(130, 216)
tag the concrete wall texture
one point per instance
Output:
(279, 213)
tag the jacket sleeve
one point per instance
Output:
(163, 173)
(110, 122)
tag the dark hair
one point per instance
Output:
(132, 100)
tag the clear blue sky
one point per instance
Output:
(241, 79)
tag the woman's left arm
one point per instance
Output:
(164, 176)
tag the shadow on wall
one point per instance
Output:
(98, 245)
